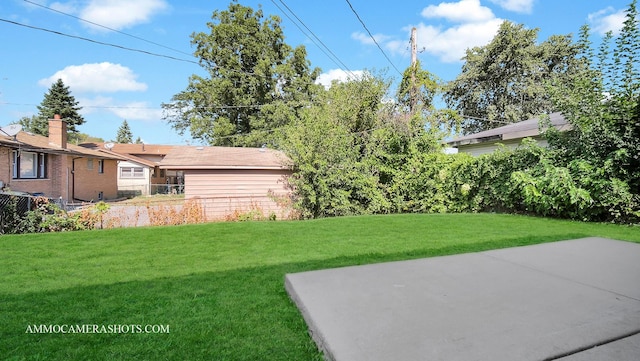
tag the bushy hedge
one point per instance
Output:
(48, 217)
(526, 180)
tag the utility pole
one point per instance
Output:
(413, 102)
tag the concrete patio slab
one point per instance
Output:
(539, 302)
(625, 349)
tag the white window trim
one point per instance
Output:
(132, 173)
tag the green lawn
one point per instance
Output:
(219, 287)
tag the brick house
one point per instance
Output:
(51, 167)
(139, 172)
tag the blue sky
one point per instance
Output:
(113, 84)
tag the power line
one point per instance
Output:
(106, 27)
(161, 108)
(99, 42)
(337, 60)
(372, 37)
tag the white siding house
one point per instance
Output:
(134, 178)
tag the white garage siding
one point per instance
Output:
(224, 193)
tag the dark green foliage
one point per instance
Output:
(504, 80)
(602, 104)
(124, 135)
(47, 217)
(58, 100)
(350, 148)
(255, 82)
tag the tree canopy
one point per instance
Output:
(255, 82)
(504, 81)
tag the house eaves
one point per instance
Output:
(524, 129)
(36, 144)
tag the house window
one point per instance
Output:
(100, 166)
(29, 165)
(131, 172)
(89, 164)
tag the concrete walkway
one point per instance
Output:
(573, 300)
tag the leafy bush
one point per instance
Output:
(48, 217)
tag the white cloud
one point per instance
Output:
(96, 77)
(464, 11)
(134, 110)
(473, 25)
(607, 19)
(120, 14)
(92, 105)
(69, 8)
(366, 39)
(138, 111)
(450, 44)
(518, 6)
(340, 75)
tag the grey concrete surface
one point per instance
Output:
(538, 302)
(624, 349)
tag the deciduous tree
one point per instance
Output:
(255, 82)
(503, 82)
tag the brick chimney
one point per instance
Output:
(58, 132)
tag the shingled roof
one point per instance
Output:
(194, 157)
(38, 143)
(527, 128)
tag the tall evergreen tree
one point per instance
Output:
(124, 133)
(58, 100)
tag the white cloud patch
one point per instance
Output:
(96, 78)
(607, 19)
(518, 6)
(367, 40)
(450, 44)
(339, 75)
(468, 24)
(138, 111)
(69, 8)
(121, 14)
(463, 11)
(473, 25)
(92, 105)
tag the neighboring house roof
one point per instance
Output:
(134, 149)
(527, 128)
(133, 152)
(38, 143)
(194, 157)
(128, 157)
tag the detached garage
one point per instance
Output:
(231, 181)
